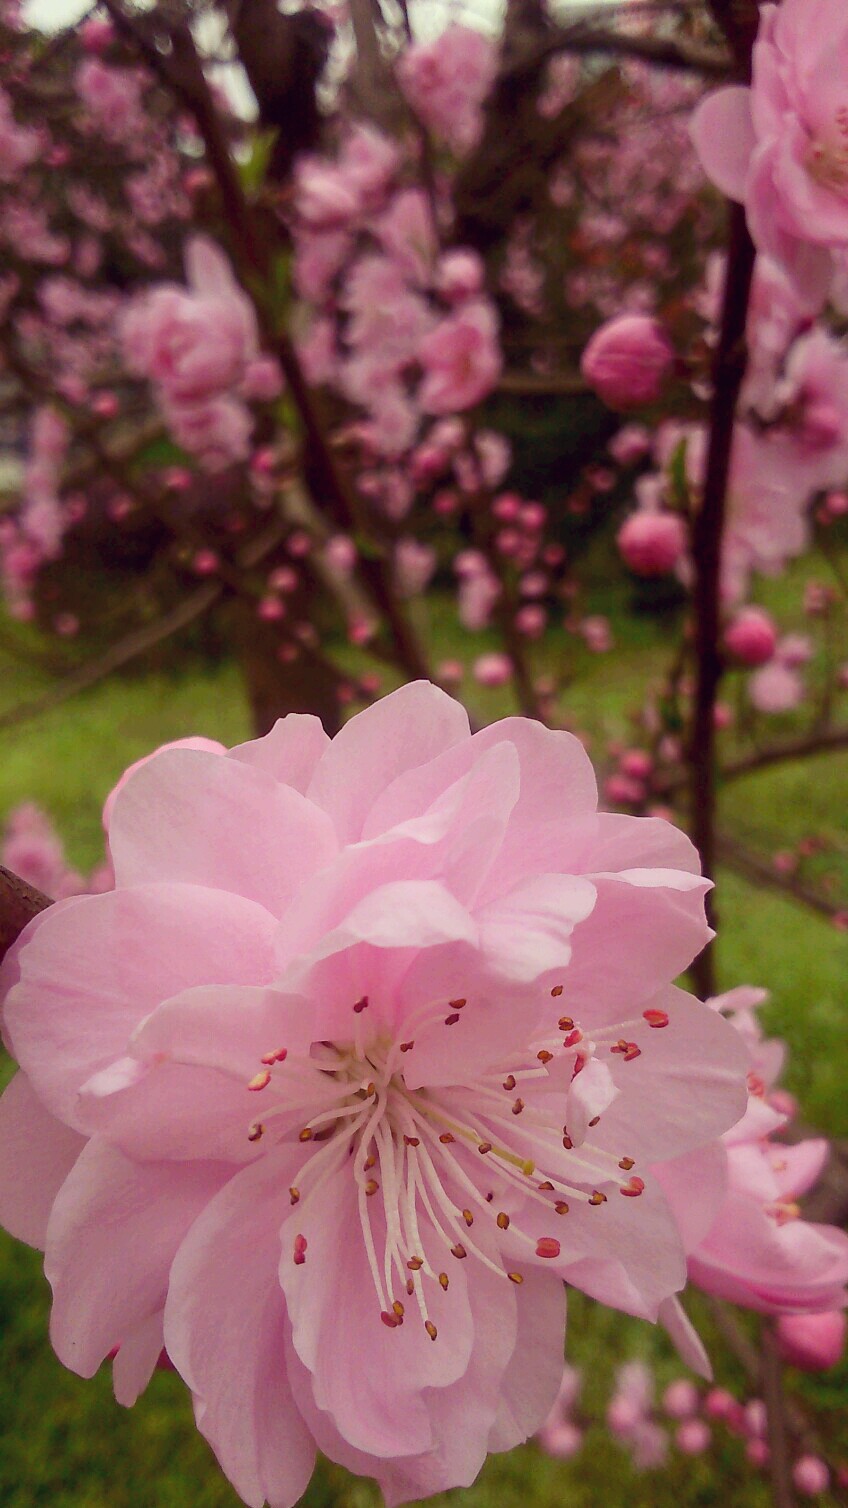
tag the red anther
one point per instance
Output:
(596, 1197)
(573, 1038)
(503, 1220)
(459, 1251)
(398, 1309)
(257, 1130)
(452, 1020)
(361, 1004)
(294, 1194)
(579, 1065)
(447, 1137)
(410, 1286)
(412, 1141)
(391, 1321)
(509, 1082)
(468, 1217)
(561, 1207)
(656, 1018)
(518, 1106)
(406, 1046)
(371, 1187)
(547, 1246)
(275, 1057)
(546, 1187)
(544, 1056)
(260, 1080)
(431, 1329)
(456, 1005)
(415, 1263)
(556, 991)
(484, 1147)
(567, 1142)
(300, 1244)
(631, 1052)
(620, 1046)
(595, 1120)
(627, 1163)
(566, 1023)
(633, 1187)
(444, 1281)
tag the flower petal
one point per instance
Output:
(37, 1153)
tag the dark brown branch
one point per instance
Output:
(707, 532)
(751, 866)
(780, 1469)
(127, 649)
(19, 903)
(826, 742)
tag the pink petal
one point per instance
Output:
(115, 1216)
(225, 1329)
(289, 752)
(136, 1360)
(90, 972)
(401, 732)
(185, 814)
(533, 1378)
(723, 133)
(527, 932)
(37, 1153)
(685, 1338)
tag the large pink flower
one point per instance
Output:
(781, 147)
(300, 1097)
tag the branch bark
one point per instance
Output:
(19, 903)
(707, 532)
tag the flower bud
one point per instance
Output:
(752, 636)
(812, 1342)
(651, 544)
(627, 360)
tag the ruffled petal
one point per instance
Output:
(37, 1153)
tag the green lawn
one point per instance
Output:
(66, 1444)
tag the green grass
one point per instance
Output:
(65, 1443)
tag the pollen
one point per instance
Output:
(431, 1329)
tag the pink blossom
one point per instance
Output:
(751, 638)
(693, 1437)
(194, 343)
(446, 83)
(754, 1248)
(263, 1079)
(461, 359)
(811, 1475)
(217, 431)
(460, 274)
(780, 146)
(776, 688)
(812, 1342)
(19, 145)
(325, 197)
(651, 543)
(680, 1399)
(492, 670)
(112, 97)
(414, 565)
(627, 360)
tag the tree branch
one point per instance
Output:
(707, 531)
(19, 903)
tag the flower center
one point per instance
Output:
(827, 161)
(467, 1163)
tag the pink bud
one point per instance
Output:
(205, 563)
(637, 763)
(627, 360)
(693, 1437)
(812, 1342)
(757, 1452)
(270, 610)
(719, 1404)
(492, 670)
(752, 636)
(680, 1399)
(449, 673)
(810, 1475)
(530, 620)
(651, 544)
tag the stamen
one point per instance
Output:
(260, 1080)
(547, 1246)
